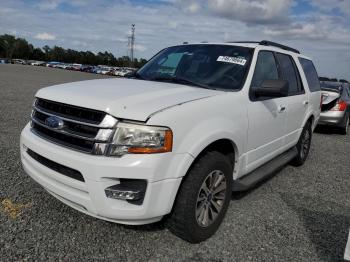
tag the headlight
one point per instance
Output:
(140, 139)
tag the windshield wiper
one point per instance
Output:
(179, 80)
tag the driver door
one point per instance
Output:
(266, 117)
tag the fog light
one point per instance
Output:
(132, 190)
(114, 192)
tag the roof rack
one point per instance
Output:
(269, 43)
(284, 47)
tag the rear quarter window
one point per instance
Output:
(310, 74)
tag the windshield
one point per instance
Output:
(208, 66)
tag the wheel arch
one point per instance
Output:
(225, 146)
(310, 118)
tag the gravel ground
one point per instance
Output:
(301, 214)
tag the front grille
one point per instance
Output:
(80, 127)
(64, 170)
(72, 112)
(75, 128)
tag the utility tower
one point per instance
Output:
(131, 45)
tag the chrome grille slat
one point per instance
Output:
(75, 133)
(59, 142)
(62, 131)
(66, 119)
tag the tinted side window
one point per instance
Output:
(265, 69)
(311, 74)
(288, 73)
(346, 92)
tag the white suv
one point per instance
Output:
(197, 122)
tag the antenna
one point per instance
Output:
(131, 44)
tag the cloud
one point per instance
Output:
(45, 36)
(252, 11)
(300, 31)
(247, 11)
(193, 7)
(49, 4)
(342, 6)
(140, 48)
(315, 27)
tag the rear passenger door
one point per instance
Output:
(297, 104)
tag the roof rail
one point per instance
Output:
(244, 42)
(284, 47)
(268, 43)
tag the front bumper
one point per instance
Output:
(333, 118)
(163, 173)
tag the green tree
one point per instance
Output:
(38, 54)
(12, 47)
(7, 43)
(21, 49)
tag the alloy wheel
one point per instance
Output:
(305, 144)
(211, 198)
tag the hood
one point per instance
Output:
(124, 98)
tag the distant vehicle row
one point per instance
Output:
(99, 69)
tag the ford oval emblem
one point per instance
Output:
(54, 122)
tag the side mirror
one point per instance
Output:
(272, 88)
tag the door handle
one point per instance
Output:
(281, 109)
(305, 103)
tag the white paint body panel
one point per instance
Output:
(197, 117)
(124, 98)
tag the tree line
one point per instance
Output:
(19, 48)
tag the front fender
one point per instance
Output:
(205, 133)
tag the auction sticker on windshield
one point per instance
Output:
(233, 60)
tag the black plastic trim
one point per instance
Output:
(265, 171)
(64, 170)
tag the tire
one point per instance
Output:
(303, 145)
(344, 129)
(188, 218)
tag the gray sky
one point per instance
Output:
(319, 28)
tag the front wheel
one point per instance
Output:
(203, 198)
(303, 145)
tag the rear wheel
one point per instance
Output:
(203, 198)
(303, 146)
(344, 129)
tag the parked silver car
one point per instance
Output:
(335, 110)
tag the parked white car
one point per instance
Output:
(197, 122)
(37, 63)
(103, 70)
